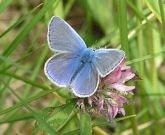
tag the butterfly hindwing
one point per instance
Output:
(86, 81)
(62, 37)
(106, 60)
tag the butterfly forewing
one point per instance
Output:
(62, 38)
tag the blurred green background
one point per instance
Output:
(30, 104)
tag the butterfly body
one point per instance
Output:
(87, 55)
(85, 58)
(75, 65)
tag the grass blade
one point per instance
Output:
(147, 57)
(161, 7)
(37, 116)
(122, 13)
(27, 28)
(20, 20)
(4, 4)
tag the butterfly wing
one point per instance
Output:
(86, 81)
(61, 67)
(106, 60)
(62, 37)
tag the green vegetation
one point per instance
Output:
(31, 105)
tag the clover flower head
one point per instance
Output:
(111, 96)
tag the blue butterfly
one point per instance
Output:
(75, 65)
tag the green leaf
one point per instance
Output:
(85, 124)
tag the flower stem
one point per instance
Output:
(133, 120)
